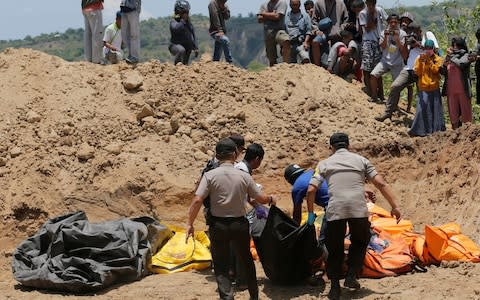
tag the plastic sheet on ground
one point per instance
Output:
(71, 254)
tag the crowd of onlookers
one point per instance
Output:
(358, 39)
(353, 39)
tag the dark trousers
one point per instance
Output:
(226, 233)
(323, 228)
(334, 240)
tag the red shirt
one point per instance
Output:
(94, 6)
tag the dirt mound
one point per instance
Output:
(124, 141)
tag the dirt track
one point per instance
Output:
(72, 137)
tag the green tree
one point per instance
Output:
(459, 18)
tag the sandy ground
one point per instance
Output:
(121, 141)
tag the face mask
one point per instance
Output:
(429, 52)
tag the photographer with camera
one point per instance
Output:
(183, 40)
(407, 75)
(392, 42)
(456, 69)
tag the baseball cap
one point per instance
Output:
(119, 14)
(408, 16)
(429, 44)
(339, 139)
(225, 146)
(292, 172)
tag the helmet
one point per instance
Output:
(182, 6)
(292, 172)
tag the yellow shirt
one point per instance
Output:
(428, 72)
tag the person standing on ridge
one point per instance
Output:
(131, 28)
(272, 15)
(92, 37)
(219, 12)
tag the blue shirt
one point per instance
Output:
(298, 25)
(300, 187)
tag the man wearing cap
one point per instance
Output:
(112, 41)
(345, 173)
(213, 163)
(405, 19)
(300, 179)
(407, 76)
(227, 187)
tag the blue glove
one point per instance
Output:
(261, 212)
(311, 218)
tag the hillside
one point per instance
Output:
(245, 33)
(117, 141)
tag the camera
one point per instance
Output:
(411, 39)
(391, 32)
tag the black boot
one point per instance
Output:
(334, 293)
(351, 282)
(384, 117)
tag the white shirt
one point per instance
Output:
(113, 35)
(241, 165)
(412, 57)
(381, 18)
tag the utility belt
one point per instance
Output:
(228, 220)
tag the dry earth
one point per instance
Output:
(121, 141)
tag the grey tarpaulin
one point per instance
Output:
(69, 253)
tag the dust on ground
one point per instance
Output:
(121, 141)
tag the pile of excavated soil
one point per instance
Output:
(121, 141)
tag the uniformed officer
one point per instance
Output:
(227, 187)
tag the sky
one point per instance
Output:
(34, 17)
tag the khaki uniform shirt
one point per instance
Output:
(345, 173)
(227, 188)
